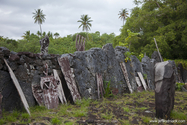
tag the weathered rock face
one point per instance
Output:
(87, 63)
(136, 64)
(119, 51)
(185, 75)
(177, 76)
(44, 43)
(114, 73)
(180, 73)
(164, 89)
(148, 69)
(106, 62)
(156, 56)
(28, 69)
(11, 99)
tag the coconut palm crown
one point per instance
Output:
(39, 18)
(123, 14)
(85, 23)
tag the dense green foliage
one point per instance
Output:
(164, 20)
(57, 45)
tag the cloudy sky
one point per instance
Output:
(61, 16)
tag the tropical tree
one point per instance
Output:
(49, 34)
(164, 20)
(38, 33)
(56, 35)
(39, 18)
(123, 14)
(85, 23)
(44, 34)
(26, 35)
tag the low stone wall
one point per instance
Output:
(29, 68)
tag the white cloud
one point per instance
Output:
(61, 16)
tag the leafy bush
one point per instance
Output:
(128, 55)
(108, 92)
(183, 62)
(55, 121)
(179, 86)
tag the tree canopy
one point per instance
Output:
(164, 20)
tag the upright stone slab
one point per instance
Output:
(156, 56)
(114, 73)
(85, 65)
(165, 89)
(69, 77)
(120, 51)
(148, 69)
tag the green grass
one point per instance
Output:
(107, 115)
(178, 115)
(69, 123)
(104, 109)
(146, 119)
(80, 113)
(124, 122)
(25, 115)
(142, 108)
(10, 118)
(55, 121)
(126, 109)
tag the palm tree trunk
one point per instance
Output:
(41, 30)
(123, 21)
(87, 34)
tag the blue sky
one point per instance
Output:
(61, 16)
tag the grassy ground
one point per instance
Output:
(136, 108)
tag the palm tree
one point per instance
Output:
(38, 33)
(27, 35)
(39, 18)
(44, 34)
(123, 14)
(85, 23)
(49, 34)
(56, 35)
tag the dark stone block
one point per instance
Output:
(5, 51)
(11, 99)
(165, 89)
(156, 56)
(114, 73)
(148, 69)
(119, 52)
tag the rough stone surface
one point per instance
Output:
(180, 72)
(185, 75)
(85, 64)
(136, 64)
(6, 52)
(119, 52)
(44, 43)
(156, 56)
(164, 90)
(148, 70)
(28, 69)
(11, 99)
(114, 73)
(177, 76)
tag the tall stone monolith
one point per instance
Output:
(164, 89)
